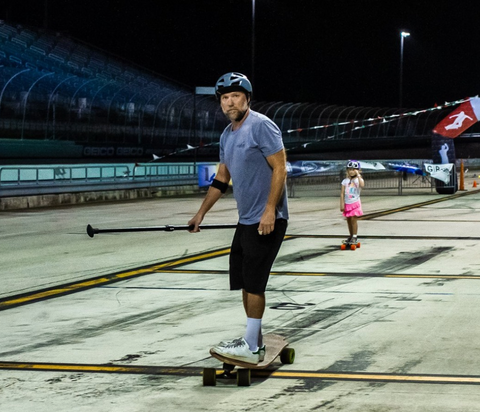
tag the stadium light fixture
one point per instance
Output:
(403, 35)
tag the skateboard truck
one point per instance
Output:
(227, 371)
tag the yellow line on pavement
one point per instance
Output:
(469, 277)
(69, 367)
(197, 371)
(194, 271)
(192, 259)
(362, 275)
(370, 377)
(416, 205)
(376, 275)
(104, 280)
(62, 290)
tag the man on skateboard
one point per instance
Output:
(252, 155)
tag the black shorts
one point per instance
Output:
(252, 256)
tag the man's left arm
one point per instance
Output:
(278, 163)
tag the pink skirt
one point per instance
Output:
(354, 209)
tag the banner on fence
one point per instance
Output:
(440, 171)
(206, 174)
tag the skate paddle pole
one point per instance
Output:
(92, 231)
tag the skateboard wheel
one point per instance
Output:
(358, 244)
(243, 377)
(287, 356)
(353, 247)
(209, 377)
(343, 247)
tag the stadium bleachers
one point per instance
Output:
(54, 52)
(89, 85)
(54, 87)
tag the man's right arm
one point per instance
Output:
(213, 194)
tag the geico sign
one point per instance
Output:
(110, 151)
(129, 151)
(98, 151)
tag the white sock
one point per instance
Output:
(253, 333)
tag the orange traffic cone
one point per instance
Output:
(474, 183)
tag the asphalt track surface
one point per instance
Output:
(124, 321)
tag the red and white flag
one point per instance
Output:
(460, 119)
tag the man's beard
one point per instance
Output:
(236, 115)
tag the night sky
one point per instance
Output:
(344, 52)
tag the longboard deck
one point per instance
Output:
(274, 346)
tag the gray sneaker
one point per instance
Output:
(223, 343)
(238, 349)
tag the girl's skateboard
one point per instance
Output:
(276, 345)
(351, 246)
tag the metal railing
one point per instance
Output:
(54, 179)
(35, 180)
(374, 180)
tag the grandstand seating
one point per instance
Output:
(46, 75)
(56, 87)
(47, 52)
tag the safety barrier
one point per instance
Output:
(374, 180)
(54, 179)
(35, 180)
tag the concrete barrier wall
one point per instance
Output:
(64, 199)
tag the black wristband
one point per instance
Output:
(217, 184)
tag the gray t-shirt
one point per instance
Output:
(244, 152)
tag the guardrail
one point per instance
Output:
(374, 180)
(53, 179)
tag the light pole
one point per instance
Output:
(253, 42)
(403, 34)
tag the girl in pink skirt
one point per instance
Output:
(350, 203)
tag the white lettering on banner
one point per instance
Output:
(432, 168)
